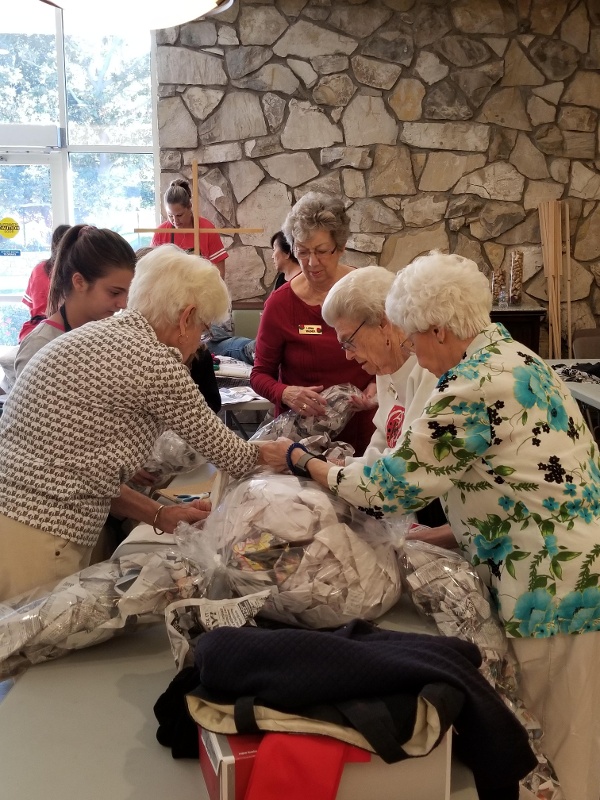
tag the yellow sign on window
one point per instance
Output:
(9, 227)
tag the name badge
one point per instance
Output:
(310, 330)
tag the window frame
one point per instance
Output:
(57, 157)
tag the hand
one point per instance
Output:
(305, 400)
(441, 536)
(272, 454)
(170, 516)
(367, 400)
(144, 478)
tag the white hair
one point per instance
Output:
(359, 295)
(442, 290)
(167, 280)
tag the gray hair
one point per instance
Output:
(360, 295)
(167, 280)
(441, 290)
(315, 212)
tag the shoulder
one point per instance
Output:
(166, 225)
(205, 223)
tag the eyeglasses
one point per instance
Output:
(304, 255)
(408, 346)
(348, 344)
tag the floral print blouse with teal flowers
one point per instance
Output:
(504, 444)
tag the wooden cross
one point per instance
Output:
(197, 230)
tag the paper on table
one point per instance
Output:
(238, 394)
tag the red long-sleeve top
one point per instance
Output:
(285, 356)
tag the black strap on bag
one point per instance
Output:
(243, 715)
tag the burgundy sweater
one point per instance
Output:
(286, 357)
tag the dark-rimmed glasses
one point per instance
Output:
(303, 254)
(347, 344)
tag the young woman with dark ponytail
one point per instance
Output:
(90, 281)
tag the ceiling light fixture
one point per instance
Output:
(150, 14)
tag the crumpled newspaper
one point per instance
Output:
(93, 605)
(298, 428)
(323, 561)
(186, 620)
(444, 586)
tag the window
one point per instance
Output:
(94, 86)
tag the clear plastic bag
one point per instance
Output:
(170, 456)
(294, 426)
(92, 606)
(444, 586)
(324, 561)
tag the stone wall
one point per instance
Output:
(443, 124)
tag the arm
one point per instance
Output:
(435, 451)
(139, 507)
(29, 347)
(269, 353)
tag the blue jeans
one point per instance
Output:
(238, 347)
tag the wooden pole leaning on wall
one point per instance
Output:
(195, 207)
(551, 236)
(568, 272)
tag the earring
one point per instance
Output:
(387, 342)
(181, 338)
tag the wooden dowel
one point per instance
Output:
(568, 271)
(230, 231)
(195, 210)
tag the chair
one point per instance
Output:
(586, 343)
(245, 322)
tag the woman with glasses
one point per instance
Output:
(355, 307)
(503, 443)
(297, 353)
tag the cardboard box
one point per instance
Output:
(227, 761)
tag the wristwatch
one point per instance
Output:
(299, 468)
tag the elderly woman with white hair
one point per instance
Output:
(504, 444)
(85, 413)
(357, 301)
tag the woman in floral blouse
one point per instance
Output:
(504, 445)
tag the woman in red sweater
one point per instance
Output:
(297, 353)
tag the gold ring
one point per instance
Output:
(304, 407)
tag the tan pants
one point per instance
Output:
(560, 684)
(30, 558)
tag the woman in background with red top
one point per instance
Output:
(297, 353)
(36, 293)
(178, 205)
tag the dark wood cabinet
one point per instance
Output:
(522, 322)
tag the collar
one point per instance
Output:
(494, 333)
(140, 322)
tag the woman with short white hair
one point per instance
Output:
(503, 443)
(85, 413)
(357, 302)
